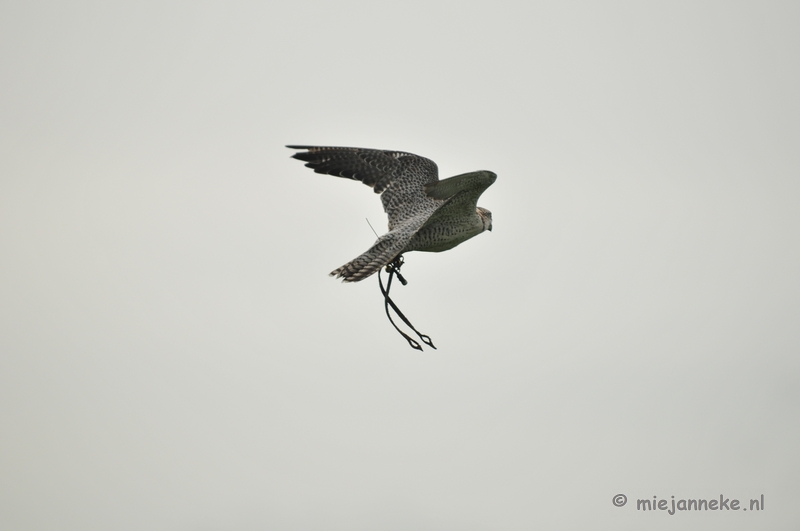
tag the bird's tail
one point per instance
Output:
(382, 253)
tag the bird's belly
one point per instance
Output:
(442, 237)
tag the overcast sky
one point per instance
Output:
(174, 356)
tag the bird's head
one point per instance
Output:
(486, 217)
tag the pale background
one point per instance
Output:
(174, 355)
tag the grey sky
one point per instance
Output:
(173, 354)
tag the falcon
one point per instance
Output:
(425, 214)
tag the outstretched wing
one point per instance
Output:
(398, 176)
(460, 192)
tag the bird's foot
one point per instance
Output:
(394, 267)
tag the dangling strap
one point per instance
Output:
(394, 268)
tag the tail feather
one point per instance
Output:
(382, 253)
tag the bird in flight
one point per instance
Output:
(425, 214)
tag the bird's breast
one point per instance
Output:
(444, 235)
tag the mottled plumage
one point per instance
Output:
(425, 214)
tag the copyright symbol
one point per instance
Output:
(619, 500)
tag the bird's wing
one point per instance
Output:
(460, 193)
(398, 176)
(385, 249)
